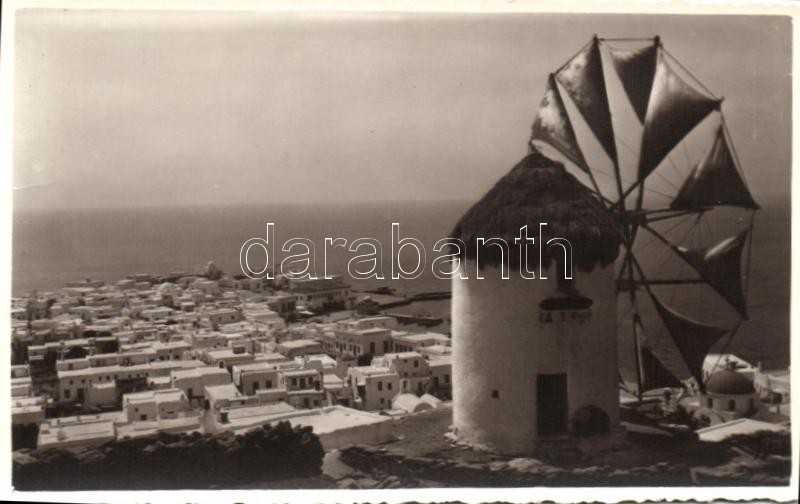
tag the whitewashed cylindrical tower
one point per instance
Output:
(535, 358)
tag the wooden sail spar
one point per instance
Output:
(669, 108)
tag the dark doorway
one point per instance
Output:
(551, 404)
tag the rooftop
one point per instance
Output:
(185, 423)
(300, 372)
(166, 395)
(724, 430)
(86, 429)
(226, 391)
(298, 343)
(197, 372)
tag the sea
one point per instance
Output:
(52, 247)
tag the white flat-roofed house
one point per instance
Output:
(242, 418)
(298, 347)
(411, 367)
(73, 385)
(382, 322)
(193, 382)
(171, 350)
(244, 327)
(207, 287)
(72, 364)
(154, 404)
(373, 388)
(132, 357)
(223, 316)
(264, 316)
(76, 432)
(158, 313)
(271, 357)
(101, 394)
(303, 388)
(27, 410)
(414, 342)
(164, 368)
(320, 294)
(269, 396)
(441, 371)
(323, 363)
(257, 376)
(205, 340)
(369, 341)
(226, 358)
(105, 360)
(436, 351)
(21, 382)
(242, 340)
(224, 396)
(159, 382)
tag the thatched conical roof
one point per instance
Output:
(539, 190)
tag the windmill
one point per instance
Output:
(651, 141)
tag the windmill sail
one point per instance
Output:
(636, 70)
(582, 78)
(670, 104)
(692, 338)
(674, 109)
(654, 374)
(552, 126)
(720, 266)
(714, 181)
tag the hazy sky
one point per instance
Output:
(159, 108)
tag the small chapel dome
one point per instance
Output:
(728, 382)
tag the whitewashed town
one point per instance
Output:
(96, 361)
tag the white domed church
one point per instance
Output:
(535, 358)
(730, 394)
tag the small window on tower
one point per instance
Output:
(495, 394)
